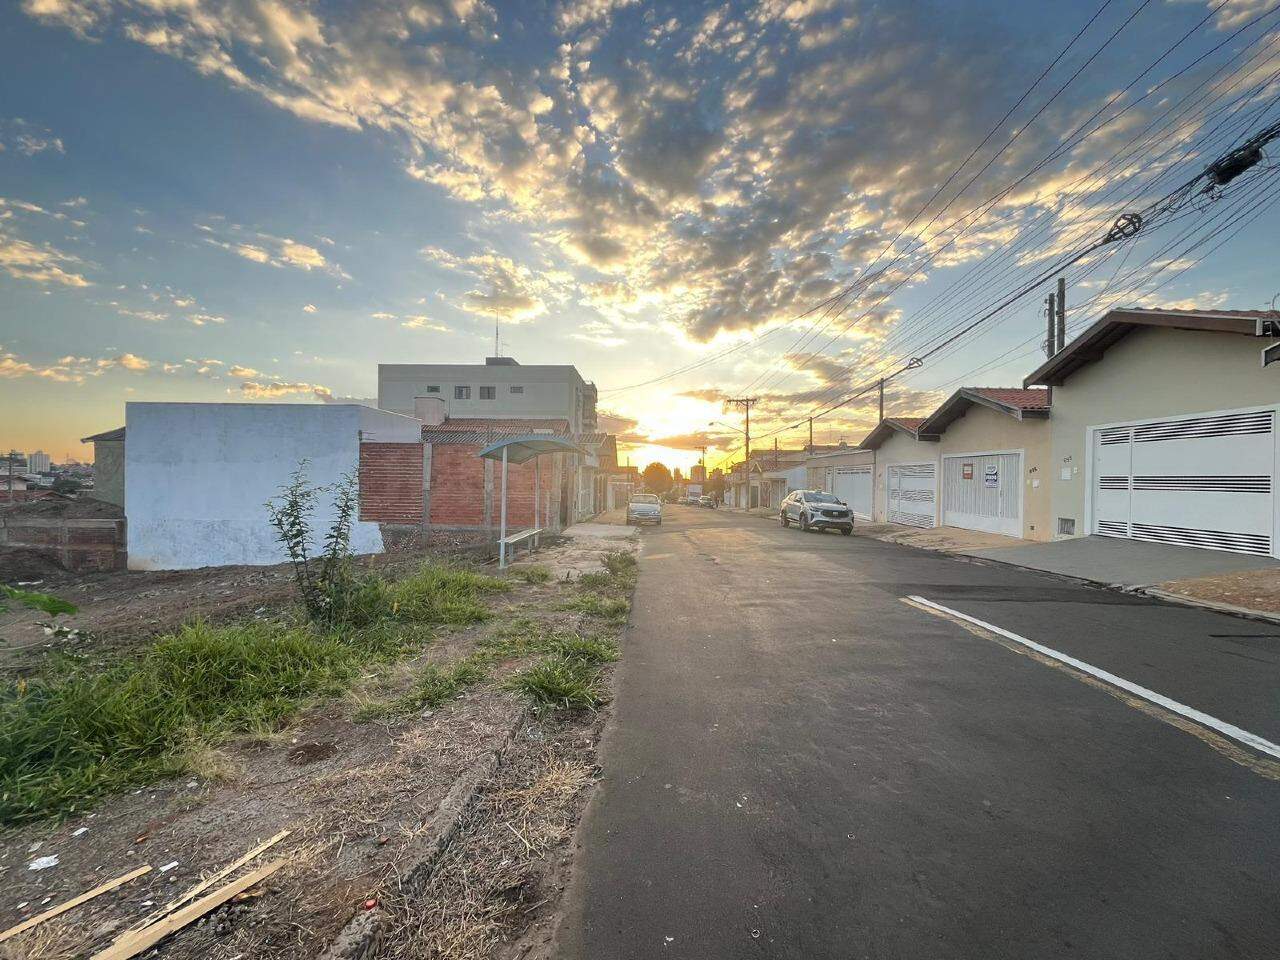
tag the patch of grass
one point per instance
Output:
(442, 594)
(534, 573)
(80, 732)
(620, 563)
(560, 683)
(434, 687)
(596, 581)
(614, 609)
(592, 650)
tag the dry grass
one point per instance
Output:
(486, 887)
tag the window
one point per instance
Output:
(488, 393)
(435, 389)
(462, 393)
(517, 389)
(1067, 526)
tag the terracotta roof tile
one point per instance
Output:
(1014, 397)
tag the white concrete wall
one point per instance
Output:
(197, 475)
(1152, 373)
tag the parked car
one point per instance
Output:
(707, 502)
(644, 508)
(815, 510)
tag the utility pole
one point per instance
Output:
(12, 455)
(881, 400)
(1062, 313)
(745, 403)
(1051, 313)
(810, 450)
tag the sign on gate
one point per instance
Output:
(991, 477)
(966, 471)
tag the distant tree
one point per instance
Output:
(657, 478)
(66, 485)
(676, 475)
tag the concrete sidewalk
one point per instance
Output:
(1214, 579)
(1128, 563)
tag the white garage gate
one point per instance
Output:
(853, 486)
(983, 491)
(1206, 481)
(911, 493)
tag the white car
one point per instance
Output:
(644, 508)
(815, 510)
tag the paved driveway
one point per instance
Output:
(802, 765)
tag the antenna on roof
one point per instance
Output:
(497, 351)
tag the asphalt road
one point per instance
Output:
(802, 765)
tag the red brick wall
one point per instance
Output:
(391, 482)
(457, 488)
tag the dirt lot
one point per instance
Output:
(358, 797)
(119, 609)
(1251, 589)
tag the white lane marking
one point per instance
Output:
(1191, 713)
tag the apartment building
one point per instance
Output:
(499, 389)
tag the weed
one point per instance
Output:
(596, 581)
(434, 687)
(440, 594)
(44, 602)
(594, 650)
(620, 562)
(593, 604)
(560, 683)
(535, 573)
(80, 732)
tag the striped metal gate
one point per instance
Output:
(853, 486)
(983, 492)
(1195, 481)
(911, 494)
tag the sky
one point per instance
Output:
(231, 200)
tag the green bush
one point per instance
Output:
(80, 732)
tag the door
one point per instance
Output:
(983, 492)
(1193, 481)
(911, 493)
(853, 486)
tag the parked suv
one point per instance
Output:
(815, 510)
(644, 508)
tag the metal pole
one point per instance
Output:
(1062, 313)
(537, 489)
(502, 528)
(1049, 349)
(810, 450)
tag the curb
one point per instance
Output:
(362, 936)
(1227, 608)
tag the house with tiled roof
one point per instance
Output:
(1165, 430)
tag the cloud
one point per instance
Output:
(40, 263)
(269, 250)
(275, 389)
(701, 174)
(309, 308)
(28, 139)
(420, 322)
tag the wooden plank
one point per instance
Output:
(73, 902)
(205, 884)
(135, 942)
